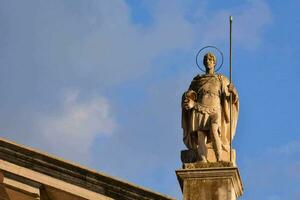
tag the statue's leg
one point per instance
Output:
(216, 140)
(202, 150)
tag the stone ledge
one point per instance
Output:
(200, 164)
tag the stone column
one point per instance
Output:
(214, 183)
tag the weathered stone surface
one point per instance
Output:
(199, 189)
(219, 183)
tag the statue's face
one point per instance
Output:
(209, 62)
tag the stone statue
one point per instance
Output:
(206, 113)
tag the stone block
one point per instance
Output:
(222, 183)
(189, 156)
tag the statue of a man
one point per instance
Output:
(206, 111)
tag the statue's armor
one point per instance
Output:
(209, 92)
(208, 103)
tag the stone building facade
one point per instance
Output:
(26, 174)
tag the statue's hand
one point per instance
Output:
(189, 104)
(231, 89)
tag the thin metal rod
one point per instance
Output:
(230, 69)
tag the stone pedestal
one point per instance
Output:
(220, 183)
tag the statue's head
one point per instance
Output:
(209, 60)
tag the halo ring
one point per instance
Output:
(215, 48)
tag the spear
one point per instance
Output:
(230, 77)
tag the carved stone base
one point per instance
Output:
(222, 183)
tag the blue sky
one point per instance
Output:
(99, 82)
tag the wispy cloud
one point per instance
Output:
(288, 149)
(252, 23)
(270, 169)
(250, 20)
(70, 132)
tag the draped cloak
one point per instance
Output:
(199, 117)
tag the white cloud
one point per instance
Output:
(71, 131)
(251, 24)
(117, 50)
